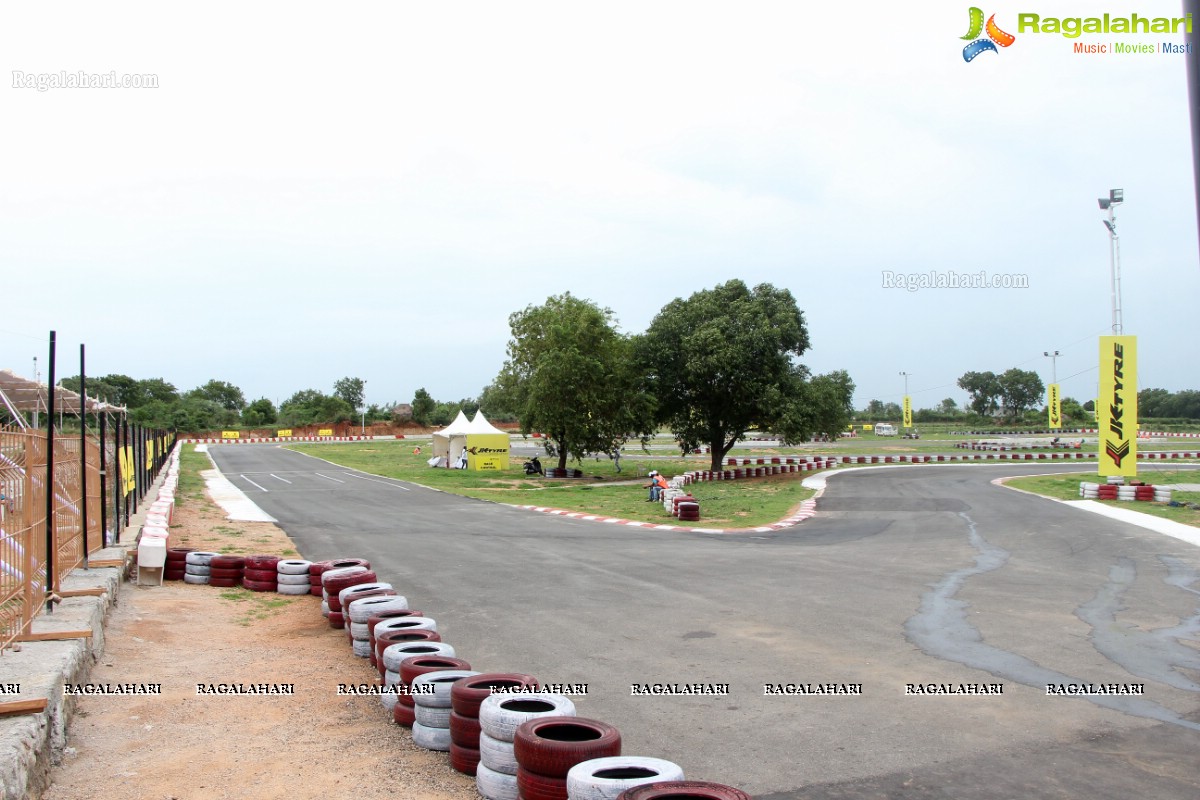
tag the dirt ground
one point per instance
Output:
(181, 746)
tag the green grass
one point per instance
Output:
(191, 485)
(747, 503)
(255, 606)
(1066, 487)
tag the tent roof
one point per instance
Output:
(22, 394)
(460, 427)
(481, 425)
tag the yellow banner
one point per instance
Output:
(868, 427)
(907, 411)
(149, 455)
(487, 451)
(1117, 409)
(231, 435)
(283, 432)
(128, 479)
(325, 432)
(1054, 406)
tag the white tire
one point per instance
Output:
(344, 572)
(431, 738)
(432, 717)
(196, 569)
(284, 579)
(501, 714)
(393, 654)
(199, 557)
(360, 630)
(293, 589)
(495, 785)
(406, 624)
(442, 681)
(391, 678)
(361, 610)
(497, 755)
(325, 608)
(389, 699)
(293, 566)
(586, 781)
(198, 580)
(362, 648)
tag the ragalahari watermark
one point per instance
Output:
(81, 79)
(949, 279)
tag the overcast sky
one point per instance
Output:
(321, 190)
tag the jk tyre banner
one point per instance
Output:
(907, 411)
(1117, 409)
(1054, 405)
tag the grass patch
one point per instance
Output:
(603, 491)
(191, 485)
(254, 606)
(1066, 487)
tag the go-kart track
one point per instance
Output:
(923, 579)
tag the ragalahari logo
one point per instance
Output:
(995, 36)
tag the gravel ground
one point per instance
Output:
(179, 745)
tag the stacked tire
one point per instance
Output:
(260, 574)
(196, 566)
(176, 566)
(1107, 492)
(410, 669)
(291, 576)
(384, 637)
(465, 698)
(1089, 491)
(399, 651)
(359, 613)
(226, 571)
(431, 694)
(689, 511)
(359, 592)
(332, 583)
(607, 778)
(694, 790)
(499, 717)
(547, 748)
(1162, 494)
(378, 616)
(318, 568)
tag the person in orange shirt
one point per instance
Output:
(656, 485)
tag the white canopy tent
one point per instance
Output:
(449, 442)
(481, 425)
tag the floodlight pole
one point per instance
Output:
(905, 374)
(363, 430)
(1053, 364)
(1109, 204)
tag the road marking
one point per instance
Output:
(252, 483)
(276, 477)
(326, 477)
(372, 480)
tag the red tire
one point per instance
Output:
(464, 759)
(223, 572)
(375, 619)
(173, 574)
(262, 562)
(532, 786)
(464, 731)
(261, 575)
(335, 584)
(316, 591)
(663, 790)
(550, 746)
(404, 715)
(395, 637)
(467, 694)
(259, 586)
(223, 582)
(405, 699)
(336, 620)
(179, 553)
(317, 567)
(355, 594)
(227, 562)
(410, 668)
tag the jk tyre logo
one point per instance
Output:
(983, 44)
(1118, 405)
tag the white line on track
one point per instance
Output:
(252, 483)
(326, 477)
(276, 477)
(373, 480)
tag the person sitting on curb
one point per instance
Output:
(656, 486)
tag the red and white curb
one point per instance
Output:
(807, 509)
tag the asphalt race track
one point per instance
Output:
(913, 575)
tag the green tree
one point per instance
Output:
(721, 362)
(823, 407)
(157, 389)
(984, 389)
(260, 412)
(223, 394)
(571, 375)
(352, 390)
(423, 406)
(1020, 389)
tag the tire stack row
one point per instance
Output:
(259, 574)
(358, 614)
(672, 790)
(383, 635)
(226, 571)
(379, 615)
(332, 583)
(546, 749)
(396, 654)
(609, 778)
(431, 694)
(291, 576)
(176, 565)
(499, 717)
(465, 698)
(350, 594)
(405, 711)
(318, 568)
(196, 566)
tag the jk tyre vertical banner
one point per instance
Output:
(1054, 404)
(907, 411)
(1117, 409)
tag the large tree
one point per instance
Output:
(423, 407)
(723, 361)
(352, 390)
(985, 391)
(1021, 389)
(571, 375)
(222, 393)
